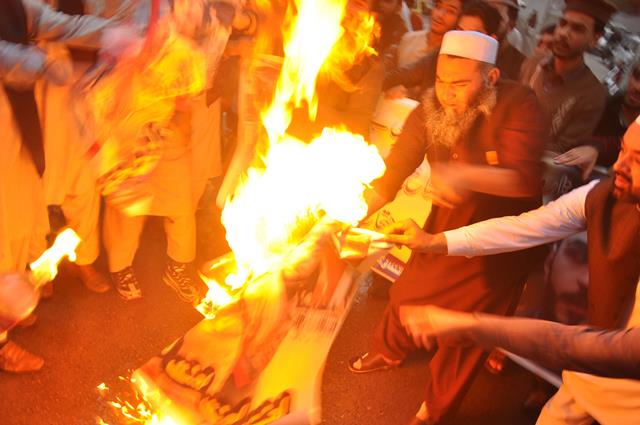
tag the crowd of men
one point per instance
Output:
(488, 116)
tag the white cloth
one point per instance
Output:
(412, 46)
(609, 401)
(69, 180)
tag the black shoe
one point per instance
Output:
(177, 277)
(126, 284)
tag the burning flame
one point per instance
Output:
(315, 29)
(141, 410)
(297, 183)
(45, 268)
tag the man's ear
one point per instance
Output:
(493, 76)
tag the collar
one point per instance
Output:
(547, 65)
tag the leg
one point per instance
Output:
(452, 370)
(121, 235)
(181, 250)
(562, 409)
(390, 337)
(82, 213)
(181, 238)
(391, 344)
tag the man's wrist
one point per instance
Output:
(435, 244)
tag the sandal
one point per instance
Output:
(368, 362)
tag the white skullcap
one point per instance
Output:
(471, 45)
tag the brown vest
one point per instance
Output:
(613, 231)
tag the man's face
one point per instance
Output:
(459, 81)
(471, 23)
(445, 15)
(574, 35)
(627, 167)
(567, 271)
(632, 95)
(503, 10)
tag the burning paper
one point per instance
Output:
(45, 268)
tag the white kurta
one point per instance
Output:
(23, 214)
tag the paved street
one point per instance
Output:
(88, 339)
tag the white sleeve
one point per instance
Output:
(554, 221)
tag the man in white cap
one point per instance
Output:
(609, 211)
(484, 139)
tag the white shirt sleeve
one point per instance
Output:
(554, 221)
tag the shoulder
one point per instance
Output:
(596, 88)
(514, 93)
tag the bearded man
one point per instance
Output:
(484, 139)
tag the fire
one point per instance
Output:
(45, 268)
(297, 183)
(314, 30)
(141, 410)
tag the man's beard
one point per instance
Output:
(445, 128)
(625, 194)
(568, 52)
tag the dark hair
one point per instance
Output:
(489, 16)
(549, 29)
(598, 26)
(512, 12)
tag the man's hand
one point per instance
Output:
(409, 234)
(424, 322)
(584, 157)
(396, 92)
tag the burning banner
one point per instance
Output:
(277, 302)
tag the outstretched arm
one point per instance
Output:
(554, 221)
(609, 353)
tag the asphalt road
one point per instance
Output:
(87, 339)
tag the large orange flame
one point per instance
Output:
(298, 182)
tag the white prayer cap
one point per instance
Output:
(471, 45)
